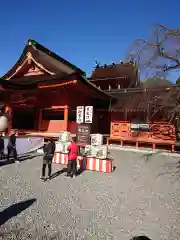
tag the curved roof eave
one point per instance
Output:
(33, 44)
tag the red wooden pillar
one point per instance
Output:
(66, 118)
(39, 119)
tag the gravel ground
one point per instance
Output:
(141, 197)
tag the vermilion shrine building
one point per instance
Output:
(48, 90)
(42, 90)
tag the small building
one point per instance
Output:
(115, 76)
(145, 116)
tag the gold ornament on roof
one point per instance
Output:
(29, 57)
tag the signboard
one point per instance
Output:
(139, 127)
(80, 114)
(96, 139)
(144, 127)
(83, 134)
(88, 114)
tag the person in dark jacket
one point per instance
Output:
(1, 146)
(11, 147)
(49, 149)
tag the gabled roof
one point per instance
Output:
(56, 69)
(47, 60)
(114, 75)
(113, 70)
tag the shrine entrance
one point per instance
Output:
(24, 118)
(54, 119)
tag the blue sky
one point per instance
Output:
(80, 31)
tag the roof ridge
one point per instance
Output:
(40, 47)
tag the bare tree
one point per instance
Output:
(159, 54)
(156, 57)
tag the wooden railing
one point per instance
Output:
(158, 130)
(158, 133)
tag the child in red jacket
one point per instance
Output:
(72, 159)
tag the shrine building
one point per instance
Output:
(42, 91)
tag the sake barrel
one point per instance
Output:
(3, 123)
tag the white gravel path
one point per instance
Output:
(142, 196)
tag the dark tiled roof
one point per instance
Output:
(123, 74)
(31, 82)
(12, 85)
(117, 70)
(44, 56)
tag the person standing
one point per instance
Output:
(11, 147)
(72, 159)
(49, 149)
(1, 146)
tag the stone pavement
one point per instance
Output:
(142, 196)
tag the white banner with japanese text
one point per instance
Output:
(80, 114)
(88, 114)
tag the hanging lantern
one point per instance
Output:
(3, 123)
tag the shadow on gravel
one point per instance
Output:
(172, 169)
(59, 172)
(21, 158)
(140, 238)
(114, 168)
(80, 171)
(64, 170)
(5, 162)
(151, 154)
(14, 210)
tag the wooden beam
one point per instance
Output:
(58, 84)
(58, 107)
(39, 119)
(107, 78)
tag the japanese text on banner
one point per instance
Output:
(80, 114)
(88, 114)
